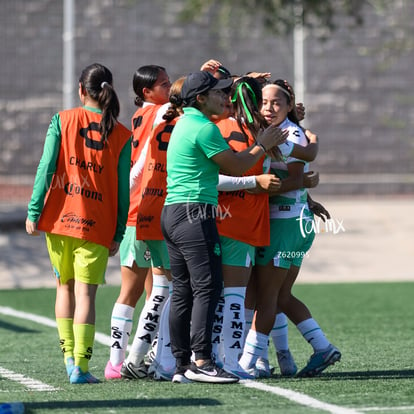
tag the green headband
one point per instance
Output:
(240, 93)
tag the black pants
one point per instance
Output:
(195, 256)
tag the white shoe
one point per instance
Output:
(179, 376)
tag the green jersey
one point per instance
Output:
(192, 175)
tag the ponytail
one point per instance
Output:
(96, 79)
(176, 102)
(173, 110)
(247, 100)
(109, 103)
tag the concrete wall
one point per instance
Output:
(359, 97)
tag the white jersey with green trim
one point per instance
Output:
(289, 204)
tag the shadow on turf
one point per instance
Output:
(15, 328)
(367, 375)
(130, 403)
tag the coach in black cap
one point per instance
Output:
(201, 82)
(196, 152)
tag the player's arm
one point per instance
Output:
(135, 175)
(294, 180)
(310, 179)
(309, 152)
(253, 183)
(237, 163)
(231, 183)
(45, 171)
(123, 196)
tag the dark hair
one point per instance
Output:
(171, 113)
(290, 96)
(145, 77)
(176, 102)
(247, 100)
(193, 102)
(96, 80)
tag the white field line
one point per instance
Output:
(28, 316)
(29, 383)
(402, 408)
(300, 398)
(99, 337)
(294, 396)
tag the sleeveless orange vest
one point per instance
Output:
(142, 123)
(154, 183)
(243, 216)
(82, 201)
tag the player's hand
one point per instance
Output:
(319, 210)
(275, 154)
(210, 66)
(265, 183)
(311, 179)
(113, 248)
(261, 77)
(300, 111)
(31, 228)
(312, 138)
(272, 136)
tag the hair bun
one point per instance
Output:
(176, 99)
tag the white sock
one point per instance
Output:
(161, 327)
(248, 316)
(164, 357)
(121, 325)
(279, 332)
(149, 319)
(233, 325)
(255, 346)
(216, 336)
(311, 331)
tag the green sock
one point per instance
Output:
(66, 337)
(84, 339)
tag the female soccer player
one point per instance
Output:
(151, 85)
(195, 154)
(84, 171)
(278, 264)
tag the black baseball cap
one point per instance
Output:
(199, 82)
(223, 72)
